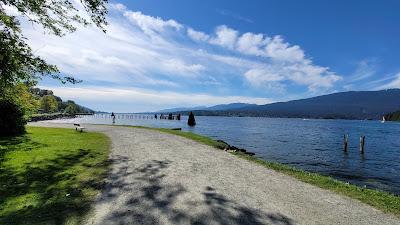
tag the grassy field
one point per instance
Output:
(50, 175)
(381, 200)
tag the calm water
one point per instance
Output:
(312, 145)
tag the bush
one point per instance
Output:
(12, 120)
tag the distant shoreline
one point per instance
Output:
(244, 116)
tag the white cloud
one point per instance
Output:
(118, 6)
(266, 79)
(277, 58)
(313, 76)
(123, 55)
(151, 24)
(179, 67)
(251, 44)
(272, 76)
(259, 77)
(225, 37)
(280, 50)
(395, 83)
(365, 69)
(197, 35)
(257, 44)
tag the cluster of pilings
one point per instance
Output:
(168, 117)
(346, 143)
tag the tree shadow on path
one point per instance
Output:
(150, 200)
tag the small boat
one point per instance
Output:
(383, 120)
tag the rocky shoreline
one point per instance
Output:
(231, 148)
(42, 117)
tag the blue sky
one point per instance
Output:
(161, 54)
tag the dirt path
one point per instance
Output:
(159, 178)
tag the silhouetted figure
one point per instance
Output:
(113, 117)
(170, 116)
(178, 117)
(155, 116)
(191, 120)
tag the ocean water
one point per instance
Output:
(313, 145)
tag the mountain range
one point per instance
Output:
(341, 105)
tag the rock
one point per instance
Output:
(223, 142)
(231, 148)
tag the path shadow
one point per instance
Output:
(152, 201)
(224, 211)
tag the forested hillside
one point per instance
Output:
(50, 103)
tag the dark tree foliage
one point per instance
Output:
(12, 120)
(18, 64)
(395, 116)
(191, 119)
(40, 92)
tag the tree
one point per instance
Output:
(49, 104)
(29, 103)
(71, 109)
(40, 92)
(17, 61)
(18, 64)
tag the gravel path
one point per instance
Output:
(158, 178)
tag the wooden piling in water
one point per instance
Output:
(362, 144)
(345, 142)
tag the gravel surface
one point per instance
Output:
(159, 178)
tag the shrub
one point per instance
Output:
(12, 120)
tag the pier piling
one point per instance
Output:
(345, 142)
(362, 144)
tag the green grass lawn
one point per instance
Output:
(379, 199)
(50, 175)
